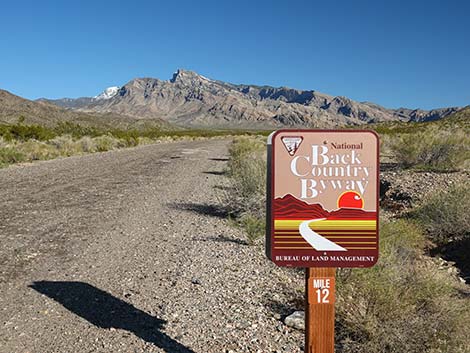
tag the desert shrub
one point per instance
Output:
(403, 304)
(129, 141)
(144, 141)
(76, 130)
(445, 214)
(254, 227)
(3, 142)
(247, 169)
(65, 145)
(432, 149)
(10, 155)
(87, 144)
(105, 143)
(246, 196)
(38, 150)
(26, 132)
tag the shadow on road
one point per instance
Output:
(203, 209)
(215, 172)
(106, 311)
(223, 239)
(219, 159)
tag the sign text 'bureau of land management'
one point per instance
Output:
(323, 198)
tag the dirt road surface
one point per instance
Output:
(130, 251)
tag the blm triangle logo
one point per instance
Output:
(292, 143)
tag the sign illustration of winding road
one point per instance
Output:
(323, 198)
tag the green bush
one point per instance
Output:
(402, 304)
(432, 149)
(445, 215)
(253, 226)
(10, 155)
(76, 130)
(20, 132)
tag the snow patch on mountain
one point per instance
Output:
(108, 93)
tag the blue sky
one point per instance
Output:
(394, 53)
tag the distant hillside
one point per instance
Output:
(13, 108)
(192, 100)
(459, 120)
(72, 103)
(461, 116)
(76, 103)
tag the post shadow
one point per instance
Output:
(106, 311)
(203, 209)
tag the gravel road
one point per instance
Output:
(130, 251)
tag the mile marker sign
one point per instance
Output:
(322, 213)
(323, 198)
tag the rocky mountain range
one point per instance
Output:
(192, 100)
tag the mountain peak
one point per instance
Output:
(187, 76)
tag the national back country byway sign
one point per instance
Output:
(323, 198)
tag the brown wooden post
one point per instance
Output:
(320, 310)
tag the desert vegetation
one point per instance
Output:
(407, 302)
(432, 149)
(442, 145)
(247, 170)
(26, 143)
(445, 214)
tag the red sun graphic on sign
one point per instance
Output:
(350, 199)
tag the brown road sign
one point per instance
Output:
(323, 198)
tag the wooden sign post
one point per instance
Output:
(320, 310)
(322, 213)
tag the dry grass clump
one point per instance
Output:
(445, 215)
(403, 304)
(37, 150)
(247, 196)
(144, 141)
(16, 151)
(65, 145)
(88, 145)
(107, 143)
(432, 149)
